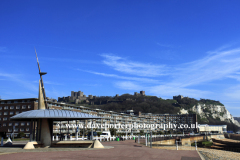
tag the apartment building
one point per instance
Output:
(205, 128)
(12, 107)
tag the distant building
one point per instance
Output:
(141, 93)
(76, 97)
(205, 128)
(178, 97)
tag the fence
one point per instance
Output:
(112, 138)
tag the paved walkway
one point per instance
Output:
(123, 150)
(207, 153)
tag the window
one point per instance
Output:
(11, 113)
(17, 112)
(18, 107)
(5, 113)
(16, 130)
(27, 129)
(23, 123)
(28, 123)
(9, 102)
(27, 135)
(29, 106)
(15, 101)
(24, 107)
(11, 107)
(21, 129)
(9, 130)
(16, 124)
(0, 113)
(0, 108)
(10, 124)
(23, 101)
(4, 124)
(5, 119)
(6, 107)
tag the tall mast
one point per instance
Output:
(41, 80)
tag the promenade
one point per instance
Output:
(123, 150)
(207, 153)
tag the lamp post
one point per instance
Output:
(13, 133)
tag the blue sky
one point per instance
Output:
(110, 47)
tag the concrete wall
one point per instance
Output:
(234, 136)
(188, 141)
(166, 142)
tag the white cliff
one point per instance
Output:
(214, 111)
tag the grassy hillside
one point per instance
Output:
(146, 104)
(155, 105)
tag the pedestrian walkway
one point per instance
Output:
(127, 150)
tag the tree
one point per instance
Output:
(141, 132)
(21, 134)
(113, 131)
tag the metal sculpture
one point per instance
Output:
(41, 80)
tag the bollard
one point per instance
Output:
(196, 145)
(83, 137)
(65, 137)
(177, 145)
(76, 137)
(2, 141)
(146, 139)
(53, 138)
(56, 138)
(70, 138)
(138, 138)
(100, 138)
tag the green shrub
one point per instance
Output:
(21, 134)
(207, 144)
(202, 144)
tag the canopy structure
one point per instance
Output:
(54, 114)
(41, 127)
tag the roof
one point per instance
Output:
(19, 99)
(52, 114)
(212, 125)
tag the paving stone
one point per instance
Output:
(123, 150)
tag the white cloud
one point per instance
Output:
(20, 80)
(212, 67)
(128, 85)
(169, 91)
(48, 82)
(184, 78)
(234, 77)
(146, 80)
(134, 68)
(232, 93)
